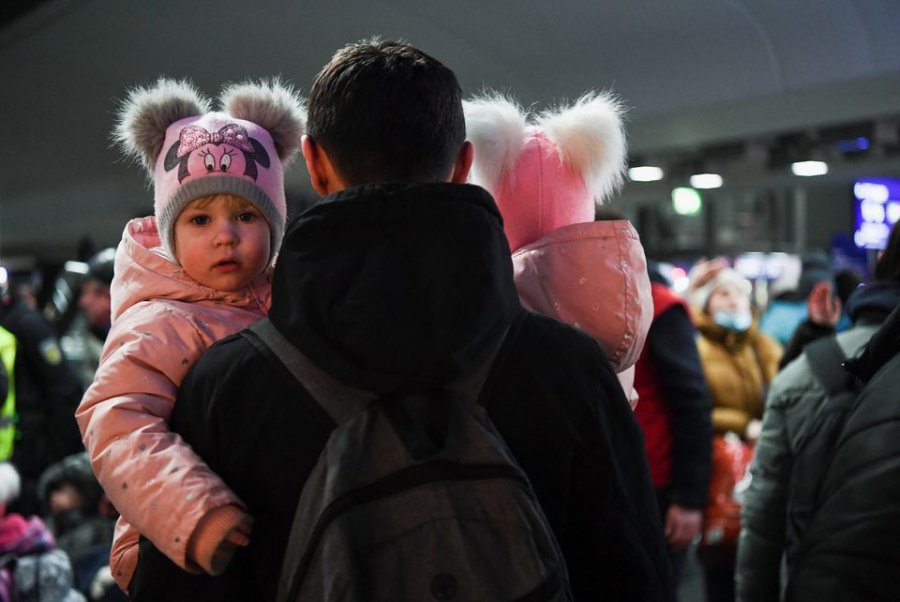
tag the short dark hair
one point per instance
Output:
(386, 111)
(888, 267)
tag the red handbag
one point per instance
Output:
(730, 478)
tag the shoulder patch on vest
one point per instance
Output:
(50, 351)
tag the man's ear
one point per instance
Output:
(322, 175)
(463, 163)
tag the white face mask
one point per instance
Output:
(737, 321)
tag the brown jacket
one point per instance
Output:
(738, 368)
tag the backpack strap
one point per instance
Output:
(339, 401)
(825, 358)
(815, 447)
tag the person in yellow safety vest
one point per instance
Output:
(7, 393)
(47, 391)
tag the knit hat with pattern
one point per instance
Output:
(191, 152)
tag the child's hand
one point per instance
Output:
(212, 549)
(221, 558)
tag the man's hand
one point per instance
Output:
(823, 307)
(682, 526)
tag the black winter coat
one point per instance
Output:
(47, 393)
(397, 287)
(851, 551)
(794, 400)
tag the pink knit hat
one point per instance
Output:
(548, 171)
(191, 152)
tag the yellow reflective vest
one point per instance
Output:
(8, 409)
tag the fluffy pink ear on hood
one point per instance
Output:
(550, 171)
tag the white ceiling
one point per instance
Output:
(693, 72)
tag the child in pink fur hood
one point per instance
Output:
(547, 174)
(196, 272)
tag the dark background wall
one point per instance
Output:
(736, 86)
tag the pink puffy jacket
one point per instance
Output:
(162, 321)
(593, 276)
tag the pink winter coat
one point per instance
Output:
(162, 321)
(593, 276)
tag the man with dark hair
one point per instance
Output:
(95, 303)
(94, 298)
(414, 138)
(399, 280)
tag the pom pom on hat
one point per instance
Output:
(10, 483)
(191, 152)
(547, 171)
(273, 106)
(148, 111)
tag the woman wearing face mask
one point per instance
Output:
(739, 362)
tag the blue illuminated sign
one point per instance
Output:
(877, 210)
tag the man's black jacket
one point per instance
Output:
(400, 287)
(47, 393)
(850, 551)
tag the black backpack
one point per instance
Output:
(816, 443)
(415, 497)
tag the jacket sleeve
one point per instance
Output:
(151, 475)
(762, 538)
(613, 510)
(674, 353)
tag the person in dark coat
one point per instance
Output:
(675, 413)
(78, 514)
(47, 392)
(398, 279)
(767, 533)
(94, 298)
(849, 551)
(789, 308)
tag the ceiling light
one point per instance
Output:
(645, 173)
(686, 201)
(809, 168)
(706, 181)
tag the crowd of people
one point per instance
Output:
(448, 379)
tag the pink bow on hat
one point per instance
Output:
(194, 137)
